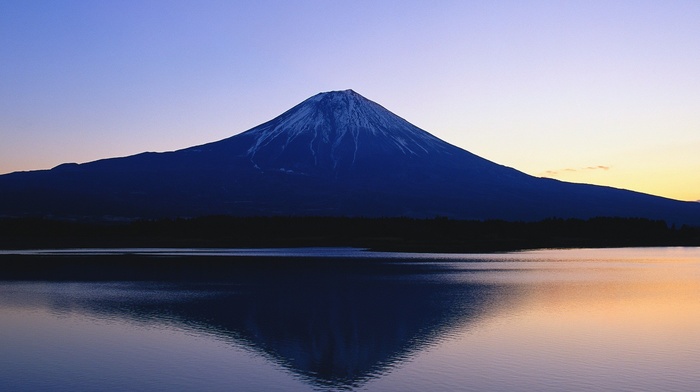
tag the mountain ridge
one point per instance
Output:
(334, 154)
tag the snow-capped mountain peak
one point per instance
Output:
(339, 129)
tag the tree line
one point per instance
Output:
(394, 234)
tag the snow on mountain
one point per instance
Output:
(336, 130)
(330, 117)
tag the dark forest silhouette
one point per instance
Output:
(395, 234)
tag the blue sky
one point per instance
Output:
(605, 92)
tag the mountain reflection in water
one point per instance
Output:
(334, 323)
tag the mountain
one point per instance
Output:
(335, 154)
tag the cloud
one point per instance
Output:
(552, 173)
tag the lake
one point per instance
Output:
(348, 319)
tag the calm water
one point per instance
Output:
(342, 319)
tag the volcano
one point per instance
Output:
(335, 154)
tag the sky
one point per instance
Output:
(601, 92)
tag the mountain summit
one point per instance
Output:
(334, 154)
(336, 132)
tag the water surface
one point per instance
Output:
(345, 319)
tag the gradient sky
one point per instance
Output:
(604, 92)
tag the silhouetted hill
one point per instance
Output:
(335, 154)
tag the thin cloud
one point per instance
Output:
(552, 173)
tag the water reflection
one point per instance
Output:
(333, 323)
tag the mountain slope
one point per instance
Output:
(335, 154)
